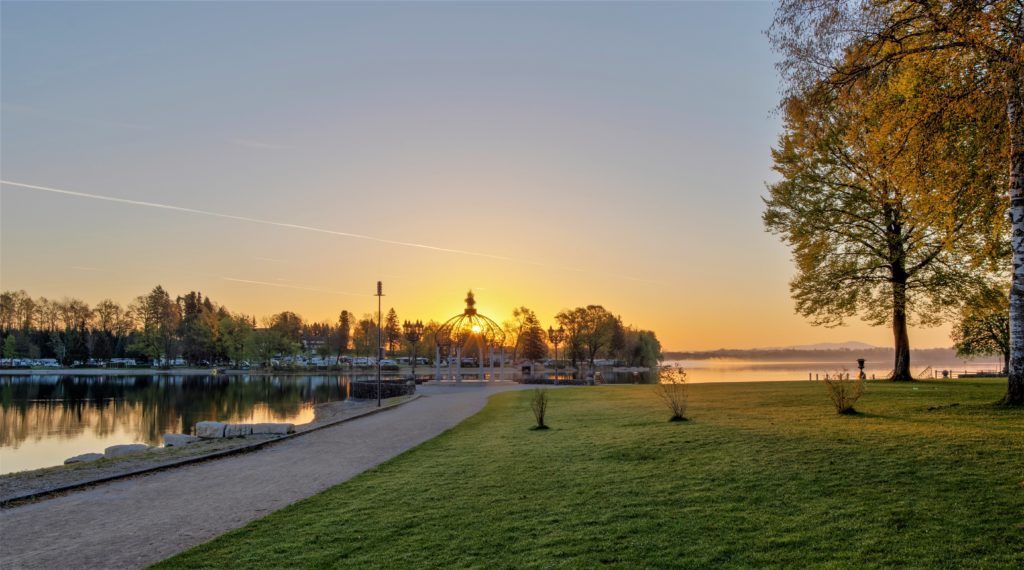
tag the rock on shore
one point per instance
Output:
(175, 439)
(215, 430)
(83, 458)
(273, 429)
(237, 430)
(122, 450)
(210, 430)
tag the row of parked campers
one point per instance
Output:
(371, 361)
(29, 363)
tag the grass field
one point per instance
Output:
(931, 474)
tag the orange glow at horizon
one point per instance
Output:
(551, 173)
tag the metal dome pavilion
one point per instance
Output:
(465, 332)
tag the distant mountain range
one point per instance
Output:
(822, 352)
(848, 345)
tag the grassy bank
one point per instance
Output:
(930, 475)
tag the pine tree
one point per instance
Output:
(392, 331)
(532, 341)
(343, 335)
(9, 346)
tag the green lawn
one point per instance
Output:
(930, 475)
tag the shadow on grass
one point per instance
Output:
(868, 415)
(850, 413)
(978, 407)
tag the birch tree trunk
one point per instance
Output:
(1014, 111)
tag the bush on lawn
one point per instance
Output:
(539, 404)
(673, 391)
(844, 392)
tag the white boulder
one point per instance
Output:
(122, 450)
(237, 430)
(83, 458)
(175, 439)
(210, 430)
(273, 429)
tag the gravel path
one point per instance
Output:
(135, 522)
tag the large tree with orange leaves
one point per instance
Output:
(978, 46)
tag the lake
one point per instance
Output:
(746, 370)
(46, 419)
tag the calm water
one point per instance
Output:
(736, 370)
(46, 419)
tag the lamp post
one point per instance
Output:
(413, 333)
(380, 340)
(556, 336)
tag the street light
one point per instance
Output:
(556, 336)
(380, 340)
(413, 333)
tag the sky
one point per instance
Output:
(286, 156)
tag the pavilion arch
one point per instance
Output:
(468, 334)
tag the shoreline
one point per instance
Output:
(35, 484)
(174, 372)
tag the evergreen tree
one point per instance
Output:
(392, 332)
(343, 335)
(198, 328)
(532, 340)
(10, 346)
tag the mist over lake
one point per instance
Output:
(779, 365)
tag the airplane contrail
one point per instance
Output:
(251, 220)
(306, 228)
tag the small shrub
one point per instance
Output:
(539, 404)
(673, 391)
(844, 392)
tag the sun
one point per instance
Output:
(477, 329)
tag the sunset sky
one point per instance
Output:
(284, 156)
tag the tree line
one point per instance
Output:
(901, 167)
(194, 328)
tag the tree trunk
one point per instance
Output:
(1015, 117)
(901, 365)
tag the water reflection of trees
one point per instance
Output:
(149, 406)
